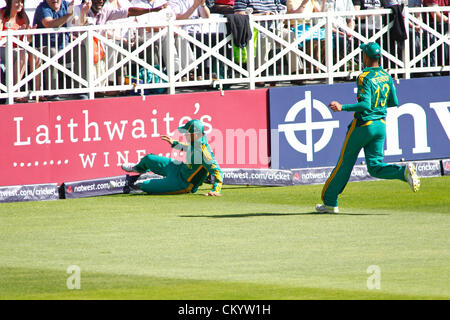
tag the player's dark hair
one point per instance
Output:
(371, 60)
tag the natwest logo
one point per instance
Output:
(291, 126)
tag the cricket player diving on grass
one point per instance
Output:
(376, 93)
(180, 177)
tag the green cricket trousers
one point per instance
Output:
(369, 135)
(172, 183)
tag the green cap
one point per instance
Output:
(192, 126)
(372, 49)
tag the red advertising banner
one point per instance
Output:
(88, 139)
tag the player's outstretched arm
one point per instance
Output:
(168, 139)
(175, 144)
(335, 106)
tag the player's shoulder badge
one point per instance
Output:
(361, 77)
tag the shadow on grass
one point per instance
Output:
(248, 215)
(199, 193)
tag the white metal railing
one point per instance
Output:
(286, 47)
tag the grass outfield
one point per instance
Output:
(252, 243)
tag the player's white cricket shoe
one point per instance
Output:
(412, 177)
(326, 209)
(128, 167)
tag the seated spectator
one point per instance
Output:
(341, 39)
(99, 14)
(95, 13)
(53, 14)
(120, 36)
(439, 16)
(14, 17)
(439, 21)
(415, 45)
(368, 25)
(191, 10)
(159, 51)
(314, 44)
(394, 40)
(415, 4)
(100, 60)
(265, 45)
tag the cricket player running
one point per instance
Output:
(376, 93)
(180, 177)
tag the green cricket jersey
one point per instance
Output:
(376, 93)
(200, 162)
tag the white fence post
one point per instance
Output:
(9, 64)
(90, 63)
(170, 43)
(329, 47)
(251, 54)
(406, 52)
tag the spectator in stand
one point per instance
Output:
(80, 55)
(341, 38)
(439, 16)
(415, 4)
(415, 45)
(96, 13)
(99, 14)
(191, 10)
(439, 21)
(53, 14)
(315, 43)
(14, 17)
(223, 7)
(121, 37)
(160, 48)
(369, 25)
(269, 7)
(394, 40)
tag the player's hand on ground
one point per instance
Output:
(213, 194)
(168, 139)
(335, 106)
